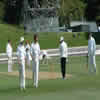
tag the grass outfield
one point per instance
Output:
(82, 86)
(47, 40)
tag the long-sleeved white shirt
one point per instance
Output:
(35, 50)
(91, 46)
(63, 50)
(21, 53)
(9, 50)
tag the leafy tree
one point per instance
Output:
(93, 10)
(13, 11)
(71, 10)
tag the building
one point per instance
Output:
(41, 16)
(78, 26)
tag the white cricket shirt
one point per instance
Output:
(9, 50)
(91, 46)
(35, 50)
(21, 53)
(63, 50)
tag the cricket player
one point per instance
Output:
(9, 51)
(91, 53)
(21, 54)
(63, 54)
(44, 56)
(28, 55)
(35, 53)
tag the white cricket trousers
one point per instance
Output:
(35, 69)
(22, 74)
(92, 63)
(9, 64)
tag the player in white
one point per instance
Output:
(28, 55)
(64, 56)
(44, 56)
(21, 54)
(91, 53)
(35, 53)
(9, 51)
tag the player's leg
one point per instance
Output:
(9, 64)
(20, 75)
(61, 66)
(37, 73)
(94, 64)
(64, 67)
(34, 71)
(23, 74)
(90, 63)
(20, 85)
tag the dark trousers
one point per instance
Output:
(63, 67)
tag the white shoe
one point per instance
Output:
(64, 78)
(36, 86)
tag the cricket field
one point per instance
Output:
(80, 85)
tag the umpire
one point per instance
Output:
(63, 54)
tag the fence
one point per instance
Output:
(74, 51)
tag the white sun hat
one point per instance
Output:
(61, 38)
(21, 39)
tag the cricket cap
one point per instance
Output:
(21, 39)
(61, 38)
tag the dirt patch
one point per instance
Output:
(42, 75)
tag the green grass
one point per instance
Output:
(47, 40)
(55, 64)
(82, 85)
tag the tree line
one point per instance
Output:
(70, 10)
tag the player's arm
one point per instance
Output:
(94, 45)
(67, 52)
(31, 50)
(39, 53)
(25, 53)
(17, 54)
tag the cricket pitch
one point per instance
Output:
(42, 75)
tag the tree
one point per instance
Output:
(93, 10)
(13, 11)
(71, 10)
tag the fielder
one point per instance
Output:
(91, 53)
(28, 55)
(63, 54)
(44, 56)
(21, 54)
(35, 53)
(9, 51)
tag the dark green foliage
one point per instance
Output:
(13, 10)
(71, 10)
(93, 10)
(97, 38)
